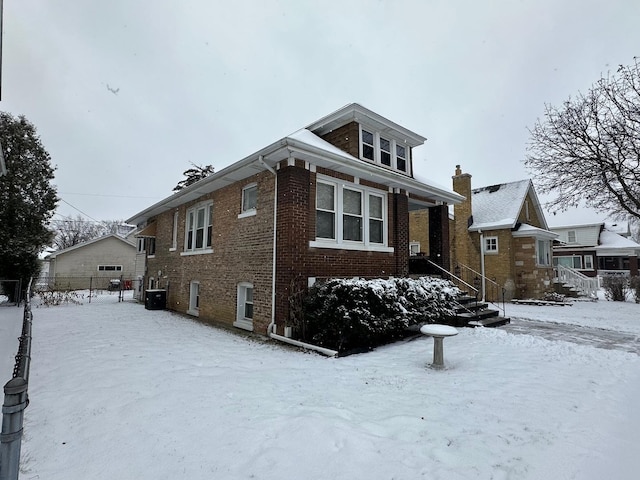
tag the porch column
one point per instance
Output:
(633, 266)
(439, 251)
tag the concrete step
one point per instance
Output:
(489, 322)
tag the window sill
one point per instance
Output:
(151, 256)
(350, 246)
(197, 252)
(195, 313)
(248, 213)
(244, 324)
(172, 249)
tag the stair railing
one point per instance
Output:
(461, 284)
(494, 293)
(586, 285)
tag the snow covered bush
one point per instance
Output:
(634, 284)
(360, 314)
(615, 288)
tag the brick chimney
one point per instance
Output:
(462, 246)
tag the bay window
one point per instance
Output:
(350, 216)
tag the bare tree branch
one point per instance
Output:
(588, 150)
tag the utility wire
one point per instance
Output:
(76, 208)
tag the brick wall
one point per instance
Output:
(296, 228)
(419, 228)
(532, 281)
(242, 252)
(346, 138)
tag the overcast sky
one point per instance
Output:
(126, 93)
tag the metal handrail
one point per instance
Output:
(444, 270)
(498, 289)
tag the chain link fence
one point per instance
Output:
(51, 291)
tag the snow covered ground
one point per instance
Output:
(121, 392)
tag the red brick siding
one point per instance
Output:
(242, 251)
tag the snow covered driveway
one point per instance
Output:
(582, 335)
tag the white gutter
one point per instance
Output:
(272, 325)
(325, 351)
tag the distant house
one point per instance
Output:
(596, 249)
(330, 200)
(104, 258)
(501, 237)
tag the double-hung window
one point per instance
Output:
(249, 200)
(382, 150)
(199, 226)
(544, 252)
(350, 216)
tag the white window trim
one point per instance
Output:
(251, 211)
(205, 248)
(413, 244)
(141, 245)
(549, 252)
(558, 257)
(486, 243)
(575, 237)
(194, 310)
(377, 154)
(590, 257)
(365, 244)
(118, 268)
(174, 233)
(241, 321)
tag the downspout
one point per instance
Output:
(272, 325)
(271, 328)
(482, 263)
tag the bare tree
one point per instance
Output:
(193, 174)
(588, 150)
(70, 231)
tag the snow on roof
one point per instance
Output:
(613, 240)
(498, 206)
(310, 138)
(526, 230)
(621, 228)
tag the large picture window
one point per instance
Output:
(199, 226)
(350, 216)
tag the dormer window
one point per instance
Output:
(401, 158)
(384, 151)
(367, 145)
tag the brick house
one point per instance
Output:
(330, 200)
(500, 233)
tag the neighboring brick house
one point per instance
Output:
(596, 249)
(330, 200)
(500, 231)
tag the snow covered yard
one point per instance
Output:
(121, 392)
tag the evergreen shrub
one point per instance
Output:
(354, 314)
